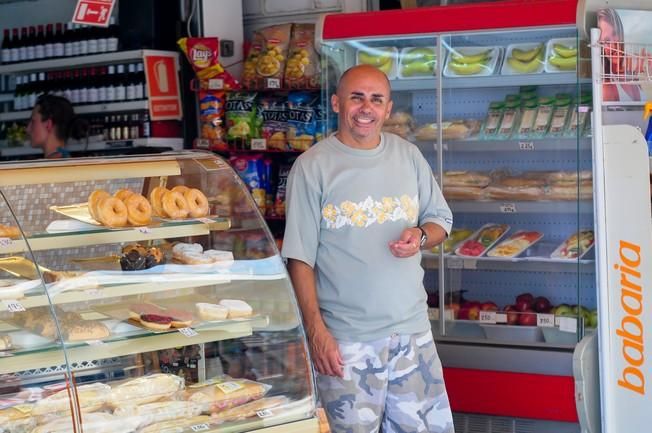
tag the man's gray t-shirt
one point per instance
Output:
(344, 207)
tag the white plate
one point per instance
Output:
(488, 69)
(569, 42)
(405, 52)
(557, 253)
(510, 240)
(79, 212)
(507, 68)
(475, 236)
(378, 51)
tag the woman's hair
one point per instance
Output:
(611, 16)
(66, 123)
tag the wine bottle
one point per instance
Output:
(112, 42)
(69, 40)
(24, 41)
(131, 82)
(6, 47)
(31, 44)
(110, 84)
(49, 41)
(14, 54)
(120, 86)
(59, 41)
(39, 43)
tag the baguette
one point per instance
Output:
(465, 178)
(92, 398)
(509, 193)
(225, 392)
(250, 409)
(145, 389)
(463, 193)
(159, 411)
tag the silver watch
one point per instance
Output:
(424, 237)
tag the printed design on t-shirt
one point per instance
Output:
(370, 211)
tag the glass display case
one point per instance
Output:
(144, 295)
(503, 117)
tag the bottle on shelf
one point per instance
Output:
(31, 45)
(113, 32)
(6, 47)
(69, 40)
(130, 80)
(141, 87)
(120, 86)
(58, 41)
(39, 43)
(146, 127)
(110, 84)
(22, 47)
(92, 34)
(48, 47)
(83, 40)
(14, 53)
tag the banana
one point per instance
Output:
(386, 67)
(467, 68)
(526, 56)
(524, 67)
(418, 55)
(374, 59)
(417, 68)
(563, 63)
(471, 58)
(564, 51)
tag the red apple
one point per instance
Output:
(488, 306)
(512, 315)
(463, 313)
(541, 304)
(525, 297)
(528, 318)
(523, 305)
(455, 307)
(474, 312)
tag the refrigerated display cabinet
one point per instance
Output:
(162, 322)
(497, 97)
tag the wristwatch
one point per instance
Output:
(424, 236)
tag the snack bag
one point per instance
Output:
(211, 115)
(241, 122)
(252, 172)
(303, 67)
(302, 126)
(279, 201)
(272, 112)
(202, 53)
(267, 55)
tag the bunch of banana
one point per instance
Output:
(469, 64)
(563, 57)
(418, 61)
(381, 58)
(526, 61)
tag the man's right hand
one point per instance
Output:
(325, 353)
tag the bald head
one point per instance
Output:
(363, 72)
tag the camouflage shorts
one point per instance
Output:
(395, 384)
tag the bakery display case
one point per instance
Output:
(498, 100)
(144, 295)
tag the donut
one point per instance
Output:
(123, 194)
(139, 211)
(112, 212)
(9, 232)
(181, 189)
(197, 203)
(94, 200)
(155, 199)
(175, 205)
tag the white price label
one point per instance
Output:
(455, 263)
(501, 318)
(488, 316)
(470, 264)
(546, 320)
(216, 84)
(229, 387)
(526, 145)
(508, 208)
(188, 332)
(273, 83)
(265, 413)
(94, 342)
(144, 230)
(568, 324)
(205, 220)
(258, 144)
(583, 109)
(5, 242)
(14, 306)
(199, 427)
(202, 143)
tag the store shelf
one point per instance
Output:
(524, 264)
(48, 241)
(513, 207)
(555, 144)
(85, 109)
(72, 62)
(490, 81)
(4, 97)
(173, 143)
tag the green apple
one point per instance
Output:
(593, 319)
(563, 310)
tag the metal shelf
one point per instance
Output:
(490, 81)
(530, 264)
(506, 206)
(555, 144)
(85, 109)
(173, 143)
(71, 62)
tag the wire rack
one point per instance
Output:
(626, 63)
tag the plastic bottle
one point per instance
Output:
(647, 114)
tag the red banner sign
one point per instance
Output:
(163, 86)
(93, 12)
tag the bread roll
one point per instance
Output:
(225, 392)
(520, 181)
(92, 397)
(465, 178)
(513, 193)
(463, 193)
(569, 176)
(86, 330)
(159, 411)
(145, 389)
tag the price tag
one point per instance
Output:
(265, 413)
(202, 143)
(205, 220)
(258, 144)
(470, 264)
(546, 320)
(14, 306)
(229, 387)
(216, 84)
(188, 332)
(488, 316)
(273, 83)
(455, 263)
(5, 242)
(94, 342)
(144, 230)
(583, 109)
(568, 324)
(199, 427)
(526, 145)
(508, 208)
(501, 318)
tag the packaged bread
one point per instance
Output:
(17, 419)
(560, 177)
(519, 181)
(399, 123)
(571, 191)
(91, 423)
(178, 425)
(515, 244)
(224, 392)
(463, 193)
(525, 193)
(84, 330)
(251, 409)
(91, 398)
(465, 178)
(159, 411)
(451, 130)
(145, 389)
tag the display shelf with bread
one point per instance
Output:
(119, 276)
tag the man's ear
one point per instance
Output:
(49, 125)
(389, 109)
(335, 103)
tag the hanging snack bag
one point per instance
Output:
(272, 112)
(302, 125)
(303, 67)
(241, 122)
(211, 115)
(281, 187)
(267, 56)
(202, 54)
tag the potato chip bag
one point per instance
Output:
(211, 115)
(302, 125)
(241, 122)
(302, 70)
(202, 55)
(272, 112)
(267, 56)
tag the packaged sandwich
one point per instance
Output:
(456, 236)
(575, 246)
(251, 409)
(466, 178)
(91, 398)
(92, 423)
(159, 411)
(145, 389)
(224, 392)
(179, 425)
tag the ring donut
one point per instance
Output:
(112, 212)
(156, 198)
(174, 205)
(139, 211)
(94, 200)
(123, 194)
(197, 203)
(181, 189)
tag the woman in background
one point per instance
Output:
(53, 121)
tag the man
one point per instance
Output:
(360, 206)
